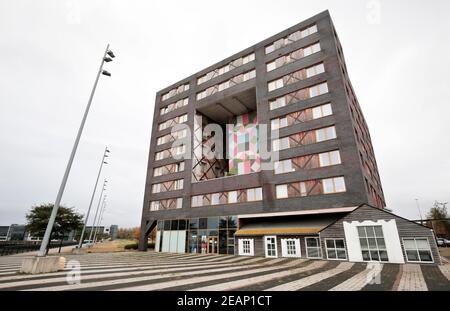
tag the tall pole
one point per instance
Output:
(80, 243)
(46, 239)
(100, 218)
(96, 211)
(420, 213)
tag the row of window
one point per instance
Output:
(168, 169)
(304, 138)
(299, 95)
(171, 137)
(171, 122)
(168, 153)
(293, 56)
(232, 65)
(298, 75)
(372, 243)
(300, 34)
(229, 197)
(173, 106)
(307, 162)
(170, 185)
(310, 187)
(176, 91)
(301, 116)
(227, 84)
(166, 204)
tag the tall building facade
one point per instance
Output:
(231, 198)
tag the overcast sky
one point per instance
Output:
(397, 57)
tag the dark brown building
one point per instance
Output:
(292, 88)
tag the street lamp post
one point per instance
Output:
(96, 211)
(46, 239)
(105, 155)
(100, 218)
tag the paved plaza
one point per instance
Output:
(136, 271)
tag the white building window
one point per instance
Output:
(179, 202)
(281, 191)
(276, 84)
(232, 196)
(417, 250)
(373, 246)
(215, 198)
(322, 111)
(313, 247)
(246, 247)
(290, 247)
(329, 158)
(284, 166)
(277, 103)
(197, 201)
(335, 249)
(251, 194)
(311, 49)
(318, 90)
(280, 144)
(326, 133)
(315, 70)
(333, 185)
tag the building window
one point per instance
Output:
(315, 70)
(166, 204)
(298, 96)
(232, 196)
(290, 247)
(168, 186)
(276, 84)
(322, 111)
(333, 185)
(176, 91)
(417, 250)
(280, 144)
(168, 169)
(236, 196)
(174, 106)
(373, 246)
(227, 84)
(171, 122)
(224, 69)
(296, 76)
(246, 247)
(326, 133)
(313, 247)
(271, 246)
(292, 57)
(284, 166)
(318, 90)
(329, 158)
(254, 194)
(277, 103)
(281, 191)
(295, 36)
(335, 249)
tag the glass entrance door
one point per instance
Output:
(213, 245)
(271, 246)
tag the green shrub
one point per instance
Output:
(131, 246)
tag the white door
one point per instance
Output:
(271, 246)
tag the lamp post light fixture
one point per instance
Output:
(46, 239)
(105, 155)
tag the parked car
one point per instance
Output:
(443, 242)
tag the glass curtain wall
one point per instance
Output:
(209, 235)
